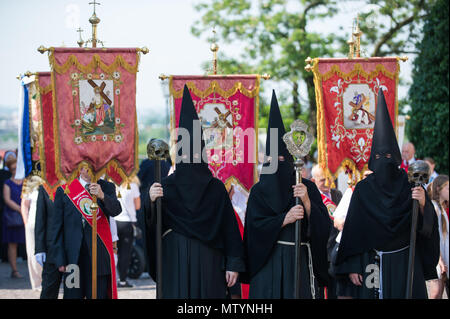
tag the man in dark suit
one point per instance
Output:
(318, 177)
(72, 236)
(44, 251)
(331, 198)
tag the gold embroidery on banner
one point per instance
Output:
(214, 87)
(321, 128)
(95, 62)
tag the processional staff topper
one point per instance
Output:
(298, 140)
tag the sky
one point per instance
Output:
(161, 25)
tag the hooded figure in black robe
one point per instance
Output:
(201, 239)
(378, 224)
(270, 246)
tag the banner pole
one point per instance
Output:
(94, 209)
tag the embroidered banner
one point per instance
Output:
(46, 140)
(227, 107)
(346, 93)
(94, 114)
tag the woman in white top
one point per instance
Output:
(439, 196)
(130, 201)
(30, 195)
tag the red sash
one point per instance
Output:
(82, 201)
(244, 287)
(331, 207)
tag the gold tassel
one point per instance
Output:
(118, 194)
(66, 190)
(128, 185)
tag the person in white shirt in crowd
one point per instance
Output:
(114, 236)
(438, 192)
(28, 206)
(130, 201)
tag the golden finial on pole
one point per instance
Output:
(357, 33)
(143, 50)
(80, 40)
(94, 20)
(214, 48)
(265, 76)
(163, 77)
(42, 49)
(351, 46)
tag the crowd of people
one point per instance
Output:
(210, 246)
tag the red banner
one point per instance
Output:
(94, 115)
(227, 107)
(346, 96)
(46, 133)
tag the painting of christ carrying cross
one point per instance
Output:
(96, 106)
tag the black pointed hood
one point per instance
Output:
(195, 204)
(192, 174)
(276, 122)
(190, 122)
(385, 156)
(277, 186)
(384, 140)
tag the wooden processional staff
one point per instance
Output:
(158, 150)
(418, 174)
(298, 142)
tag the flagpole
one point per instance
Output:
(94, 209)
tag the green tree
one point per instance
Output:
(429, 124)
(277, 36)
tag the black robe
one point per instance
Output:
(270, 265)
(378, 228)
(196, 252)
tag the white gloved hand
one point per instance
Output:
(40, 258)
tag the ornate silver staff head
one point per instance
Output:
(419, 172)
(298, 142)
(157, 150)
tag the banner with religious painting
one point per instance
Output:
(227, 106)
(95, 111)
(346, 96)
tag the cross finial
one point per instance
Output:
(94, 3)
(214, 48)
(80, 41)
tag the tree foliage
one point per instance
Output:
(428, 126)
(276, 36)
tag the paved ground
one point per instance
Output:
(144, 287)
